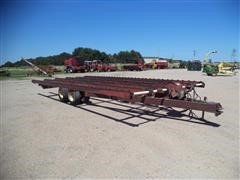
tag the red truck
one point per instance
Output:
(76, 65)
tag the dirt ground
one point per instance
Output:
(43, 138)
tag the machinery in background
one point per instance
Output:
(223, 68)
(74, 64)
(43, 70)
(97, 65)
(214, 69)
(156, 64)
(139, 66)
(194, 66)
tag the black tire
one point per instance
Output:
(74, 97)
(83, 70)
(86, 99)
(70, 70)
(63, 94)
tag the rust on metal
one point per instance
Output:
(154, 92)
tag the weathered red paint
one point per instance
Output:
(155, 92)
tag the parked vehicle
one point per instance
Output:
(110, 67)
(134, 67)
(76, 65)
(98, 65)
(161, 64)
(194, 66)
(216, 69)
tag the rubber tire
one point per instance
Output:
(86, 100)
(74, 97)
(70, 70)
(63, 94)
(181, 95)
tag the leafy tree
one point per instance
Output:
(8, 64)
(84, 54)
(128, 57)
(90, 54)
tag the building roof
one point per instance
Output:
(150, 57)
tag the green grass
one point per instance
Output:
(16, 73)
(20, 72)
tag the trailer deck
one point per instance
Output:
(150, 92)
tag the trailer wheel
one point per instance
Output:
(63, 94)
(74, 97)
(86, 99)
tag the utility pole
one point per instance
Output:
(234, 53)
(194, 54)
(206, 60)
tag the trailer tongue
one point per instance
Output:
(154, 92)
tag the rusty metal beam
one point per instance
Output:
(132, 87)
(147, 91)
(196, 105)
(75, 87)
(147, 80)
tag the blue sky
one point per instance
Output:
(171, 29)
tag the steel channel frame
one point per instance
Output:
(132, 84)
(121, 88)
(195, 105)
(105, 84)
(149, 88)
(119, 85)
(96, 85)
(145, 80)
(75, 87)
(132, 88)
(138, 80)
(191, 105)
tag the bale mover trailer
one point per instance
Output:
(150, 92)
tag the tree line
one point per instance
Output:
(83, 54)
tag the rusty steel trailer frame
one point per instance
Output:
(152, 92)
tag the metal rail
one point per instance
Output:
(154, 92)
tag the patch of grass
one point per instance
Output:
(16, 73)
(22, 72)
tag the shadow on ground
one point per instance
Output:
(140, 113)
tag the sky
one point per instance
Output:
(170, 29)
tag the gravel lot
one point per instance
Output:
(43, 138)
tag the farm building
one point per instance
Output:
(150, 59)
